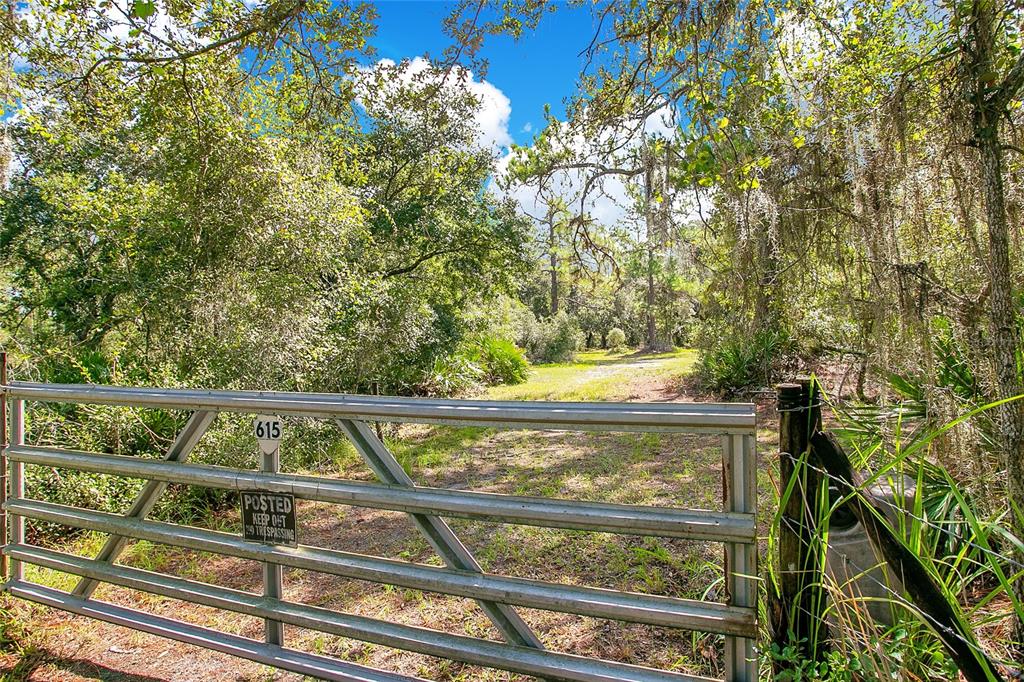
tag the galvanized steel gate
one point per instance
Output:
(522, 652)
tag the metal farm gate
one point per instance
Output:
(268, 495)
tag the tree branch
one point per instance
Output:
(1010, 87)
(424, 257)
(290, 13)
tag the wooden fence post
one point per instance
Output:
(797, 609)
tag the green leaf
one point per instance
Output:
(144, 9)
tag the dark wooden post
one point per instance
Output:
(797, 609)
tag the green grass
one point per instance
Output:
(596, 375)
(593, 376)
(86, 544)
(435, 448)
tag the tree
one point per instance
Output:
(226, 225)
(989, 91)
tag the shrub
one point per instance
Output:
(553, 340)
(501, 362)
(487, 361)
(452, 375)
(743, 362)
(616, 338)
(76, 489)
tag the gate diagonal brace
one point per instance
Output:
(147, 498)
(437, 532)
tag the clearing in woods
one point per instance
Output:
(674, 469)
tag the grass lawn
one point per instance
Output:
(598, 375)
(656, 469)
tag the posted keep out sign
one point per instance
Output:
(269, 517)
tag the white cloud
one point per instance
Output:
(662, 123)
(493, 112)
(492, 117)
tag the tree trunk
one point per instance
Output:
(554, 264)
(1004, 341)
(652, 326)
(767, 304)
(1001, 310)
(651, 224)
(1003, 323)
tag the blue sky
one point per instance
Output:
(541, 68)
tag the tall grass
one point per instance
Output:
(969, 553)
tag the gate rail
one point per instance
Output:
(522, 651)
